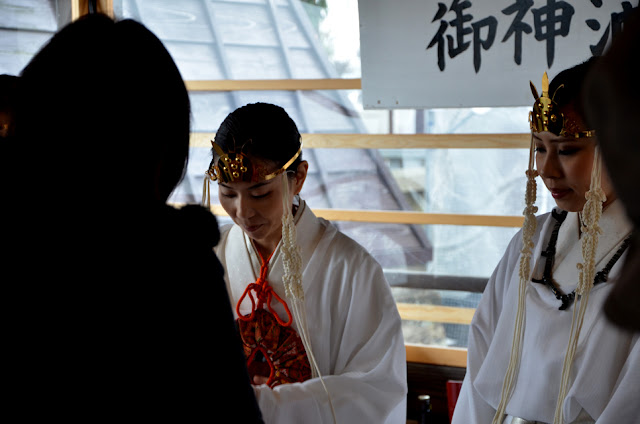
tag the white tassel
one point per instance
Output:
(206, 192)
(292, 263)
(528, 230)
(590, 217)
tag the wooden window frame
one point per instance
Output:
(81, 7)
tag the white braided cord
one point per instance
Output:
(524, 272)
(292, 279)
(589, 225)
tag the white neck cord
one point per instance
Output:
(292, 263)
(528, 230)
(590, 217)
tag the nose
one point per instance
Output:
(548, 165)
(244, 208)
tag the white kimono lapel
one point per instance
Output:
(615, 228)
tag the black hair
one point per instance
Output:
(8, 88)
(566, 88)
(104, 100)
(262, 131)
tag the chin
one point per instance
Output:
(570, 205)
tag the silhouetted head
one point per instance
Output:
(105, 106)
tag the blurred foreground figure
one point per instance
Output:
(8, 89)
(613, 107)
(111, 311)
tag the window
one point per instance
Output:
(25, 26)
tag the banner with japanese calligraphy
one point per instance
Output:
(470, 53)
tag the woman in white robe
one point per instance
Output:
(352, 323)
(598, 380)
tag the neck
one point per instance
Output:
(610, 199)
(265, 249)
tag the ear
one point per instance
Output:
(300, 176)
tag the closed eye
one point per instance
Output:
(261, 196)
(568, 152)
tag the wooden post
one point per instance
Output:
(81, 7)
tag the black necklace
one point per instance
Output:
(550, 253)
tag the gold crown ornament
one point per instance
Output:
(235, 166)
(546, 115)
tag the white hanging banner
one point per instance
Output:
(470, 53)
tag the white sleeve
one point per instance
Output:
(623, 403)
(471, 407)
(367, 380)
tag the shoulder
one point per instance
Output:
(343, 246)
(334, 247)
(225, 230)
(516, 241)
(200, 223)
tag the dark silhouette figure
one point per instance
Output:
(115, 307)
(8, 91)
(612, 107)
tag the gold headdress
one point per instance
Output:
(546, 115)
(236, 166)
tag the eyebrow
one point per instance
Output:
(256, 185)
(558, 140)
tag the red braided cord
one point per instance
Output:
(264, 293)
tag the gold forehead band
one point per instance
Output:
(235, 166)
(546, 115)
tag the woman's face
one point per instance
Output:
(256, 207)
(564, 164)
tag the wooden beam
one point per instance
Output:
(275, 84)
(403, 217)
(436, 355)
(417, 141)
(81, 7)
(435, 313)
(418, 218)
(397, 141)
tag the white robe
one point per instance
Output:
(353, 321)
(605, 378)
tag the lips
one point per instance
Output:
(559, 193)
(252, 228)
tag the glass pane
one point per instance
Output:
(293, 34)
(170, 21)
(241, 39)
(435, 333)
(304, 64)
(196, 61)
(336, 30)
(464, 181)
(312, 111)
(25, 26)
(256, 63)
(467, 250)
